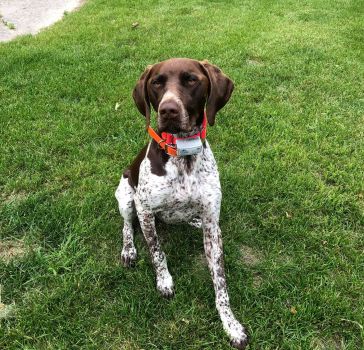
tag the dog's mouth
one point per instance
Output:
(174, 127)
(175, 130)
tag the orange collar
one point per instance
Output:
(168, 142)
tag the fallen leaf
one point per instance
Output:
(293, 310)
(135, 24)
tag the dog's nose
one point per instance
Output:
(169, 109)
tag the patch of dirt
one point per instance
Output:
(129, 345)
(19, 17)
(14, 197)
(10, 249)
(250, 256)
(255, 61)
(334, 343)
(6, 310)
(257, 281)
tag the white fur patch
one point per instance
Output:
(170, 95)
(186, 193)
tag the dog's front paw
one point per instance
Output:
(238, 335)
(165, 285)
(240, 343)
(128, 256)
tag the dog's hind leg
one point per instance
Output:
(125, 197)
(195, 222)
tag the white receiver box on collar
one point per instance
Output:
(188, 146)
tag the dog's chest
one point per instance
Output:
(180, 195)
(182, 199)
(177, 196)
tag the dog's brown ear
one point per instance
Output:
(220, 90)
(140, 95)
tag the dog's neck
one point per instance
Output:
(187, 164)
(184, 165)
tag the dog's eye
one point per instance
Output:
(190, 79)
(156, 83)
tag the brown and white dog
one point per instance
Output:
(179, 189)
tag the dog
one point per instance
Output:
(179, 184)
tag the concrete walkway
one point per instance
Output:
(18, 17)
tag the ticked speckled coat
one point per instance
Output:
(179, 189)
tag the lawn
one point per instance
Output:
(290, 150)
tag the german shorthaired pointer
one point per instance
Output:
(162, 183)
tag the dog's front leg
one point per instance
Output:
(215, 259)
(147, 224)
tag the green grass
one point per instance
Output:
(290, 151)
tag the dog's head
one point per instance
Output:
(179, 89)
